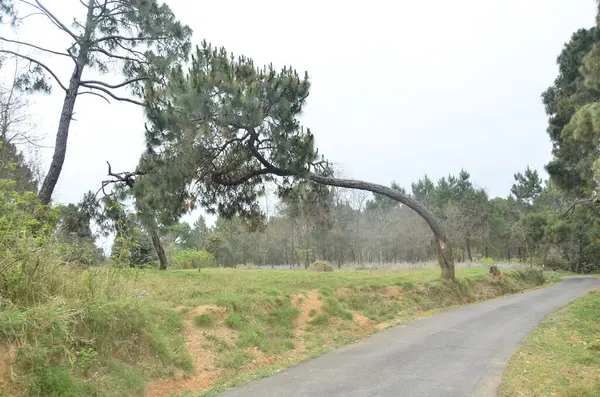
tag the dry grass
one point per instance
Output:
(562, 357)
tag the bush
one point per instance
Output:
(320, 266)
(192, 259)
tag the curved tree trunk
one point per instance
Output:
(444, 250)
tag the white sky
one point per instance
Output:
(399, 89)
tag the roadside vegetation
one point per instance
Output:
(113, 332)
(562, 357)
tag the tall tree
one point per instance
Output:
(573, 150)
(224, 128)
(528, 186)
(142, 36)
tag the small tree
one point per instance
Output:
(142, 36)
(224, 128)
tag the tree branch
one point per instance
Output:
(128, 178)
(38, 63)
(115, 56)
(221, 180)
(52, 18)
(97, 82)
(569, 212)
(125, 38)
(94, 93)
(110, 94)
(37, 47)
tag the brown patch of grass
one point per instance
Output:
(203, 358)
(362, 321)
(310, 306)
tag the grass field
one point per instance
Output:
(108, 333)
(562, 357)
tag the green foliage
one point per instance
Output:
(147, 32)
(133, 248)
(574, 149)
(257, 111)
(528, 186)
(192, 259)
(235, 320)
(204, 320)
(13, 166)
(26, 228)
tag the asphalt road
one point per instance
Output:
(458, 353)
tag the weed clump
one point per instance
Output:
(204, 320)
(320, 266)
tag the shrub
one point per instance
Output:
(320, 266)
(192, 259)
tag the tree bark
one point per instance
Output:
(62, 135)
(444, 250)
(66, 115)
(160, 251)
(469, 255)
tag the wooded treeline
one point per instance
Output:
(347, 227)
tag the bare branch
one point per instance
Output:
(38, 63)
(94, 93)
(30, 15)
(108, 54)
(97, 82)
(36, 47)
(133, 52)
(110, 94)
(128, 178)
(52, 18)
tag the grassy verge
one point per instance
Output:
(112, 333)
(562, 357)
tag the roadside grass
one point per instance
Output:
(109, 333)
(561, 357)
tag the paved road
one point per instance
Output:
(458, 353)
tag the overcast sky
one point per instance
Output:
(399, 89)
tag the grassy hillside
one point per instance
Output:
(108, 333)
(562, 357)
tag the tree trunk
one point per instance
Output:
(66, 115)
(444, 251)
(160, 251)
(469, 254)
(62, 135)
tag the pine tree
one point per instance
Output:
(224, 128)
(142, 36)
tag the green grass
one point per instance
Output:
(108, 333)
(561, 357)
(204, 320)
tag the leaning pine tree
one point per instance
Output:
(224, 128)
